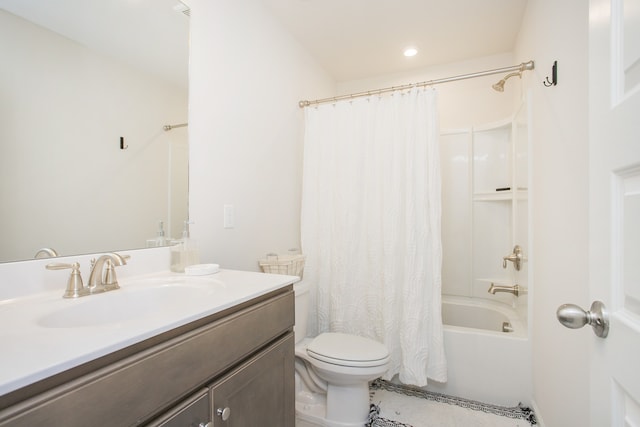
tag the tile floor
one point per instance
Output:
(405, 407)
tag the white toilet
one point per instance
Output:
(333, 371)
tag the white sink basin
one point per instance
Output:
(204, 281)
(165, 296)
(77, 331)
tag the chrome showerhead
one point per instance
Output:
(499, 87)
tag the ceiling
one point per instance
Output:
(355, 39)
(149, 34)
(350, 39)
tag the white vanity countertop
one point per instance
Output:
(44, 334)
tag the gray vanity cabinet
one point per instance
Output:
(256, 394)
(193, 412)
(241, 359)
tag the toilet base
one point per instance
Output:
(311, 411)
(349, 404)
(332, 395)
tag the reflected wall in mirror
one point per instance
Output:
(77, 77)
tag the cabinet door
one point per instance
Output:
(260, 392)
(193, 412)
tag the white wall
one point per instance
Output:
(246, 130)
(64, 182)
(558, 31)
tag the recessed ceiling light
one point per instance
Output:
(410, 51)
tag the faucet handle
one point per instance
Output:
(75, 287)
(516, 258)
(110, 281)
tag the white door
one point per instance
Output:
(614, 215)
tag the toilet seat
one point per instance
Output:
(347, 350)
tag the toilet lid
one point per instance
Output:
(347, 350)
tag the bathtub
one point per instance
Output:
(485, 363)
(482, 315)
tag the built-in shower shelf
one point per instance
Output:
(489, 197)
(500, 196)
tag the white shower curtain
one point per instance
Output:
(371, 226)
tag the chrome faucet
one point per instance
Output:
(101, 278)
(515, 289)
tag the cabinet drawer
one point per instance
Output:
(129, 392)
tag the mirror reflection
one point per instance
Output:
(86, 163)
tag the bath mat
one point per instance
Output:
(376, 420)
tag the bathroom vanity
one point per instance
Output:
(226, 361)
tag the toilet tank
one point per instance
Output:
(301, 291)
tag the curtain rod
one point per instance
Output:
(522, 67)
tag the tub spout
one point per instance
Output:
(515, 289)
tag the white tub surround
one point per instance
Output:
(485, 215)
(40, 338)
(485, 208)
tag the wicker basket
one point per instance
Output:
(292, 265)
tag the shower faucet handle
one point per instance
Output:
(516, 258)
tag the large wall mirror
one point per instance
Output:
(87, 89)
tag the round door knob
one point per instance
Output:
(574, 317)
(224, 413)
